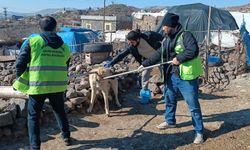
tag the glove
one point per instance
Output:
(107, 65)
(140, 68)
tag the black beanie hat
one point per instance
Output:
(134, 35)
(47, 23)
(171, 20)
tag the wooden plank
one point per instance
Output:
(7, 58)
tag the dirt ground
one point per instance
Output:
(133, 127)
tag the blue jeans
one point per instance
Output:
(189, 90)
(35, 105)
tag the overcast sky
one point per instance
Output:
(36, 5)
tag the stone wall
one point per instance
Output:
(147, 23)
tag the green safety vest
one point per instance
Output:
(47, 70)
(191, 69)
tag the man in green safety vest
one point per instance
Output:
(181, 48)
(41, 70)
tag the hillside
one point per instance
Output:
(242, 8)
(115, 9)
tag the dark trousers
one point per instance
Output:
(35, 105)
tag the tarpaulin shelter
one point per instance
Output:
(77, 37)
(194, 17)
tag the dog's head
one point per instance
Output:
(103, 72)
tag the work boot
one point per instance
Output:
(198, 138)
(165, 125)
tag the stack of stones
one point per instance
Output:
(233, 63)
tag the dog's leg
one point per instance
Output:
(114, 85)
(106, 101)
(92, 101)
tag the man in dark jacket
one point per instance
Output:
(41, 70)
(181, 48)
(141, 46)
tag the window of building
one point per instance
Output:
(107, 26)
(88, 25)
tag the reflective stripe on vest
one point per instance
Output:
(45, 83)
(191, 69)
(47, 70)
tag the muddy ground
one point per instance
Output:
(133, 127)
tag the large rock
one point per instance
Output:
(79, 87)
(78, 100)
(19, 128)
(80, 67)
(71, 86)
(85, 84)
(9, 78)
(86, 92)
(5, 72)
(7, 132)
(3, 105)
(68, 106)
(213, 126)
(71, 94)
(79, 94)
(6, 119)
(1, 133)
(2, 78)
(12, 108)
(21, 106)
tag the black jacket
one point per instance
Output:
(191, 49)
(51, 39)
(153, 39)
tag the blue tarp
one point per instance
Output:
(246, 40)
(74, 37)
(66, 29)
(75, 40)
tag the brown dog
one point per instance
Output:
(97, 83)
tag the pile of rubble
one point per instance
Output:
(13, 117)
(7, 73)
(233, 63)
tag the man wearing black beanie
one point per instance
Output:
(181, 48)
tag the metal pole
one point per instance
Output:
(103, 27)
(208, 44)
(136, 71)
(5, 13)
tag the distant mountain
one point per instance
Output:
(53, 10)
(243, 8)
(11, 13)
(42, 12)
(115, 9)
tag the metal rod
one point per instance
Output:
(104, 13)
(208, 43)
(134, 71)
